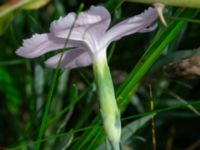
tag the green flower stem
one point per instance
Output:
(179, 3)
(108, 105)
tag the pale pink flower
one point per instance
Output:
(90, 36)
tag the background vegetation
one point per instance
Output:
(160, 68)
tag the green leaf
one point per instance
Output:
(5, 22)
(11, 92)
(64, 142)
(111, 5)
(160, 42)
(24, 4)
(129, 130)
(35, 4)
(179, 3)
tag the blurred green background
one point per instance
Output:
(167, 59)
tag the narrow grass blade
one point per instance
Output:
(165, 37)
(53, 86)
(129, 130)
(182, 3)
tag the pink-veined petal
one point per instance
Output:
(71, 59)
(39, 44)
(88, 27)
(131, 25)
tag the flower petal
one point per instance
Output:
(149, 29)
(131, 25)
(89, 25)
(40, 44)
(71, 59)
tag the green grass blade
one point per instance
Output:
(111, 5)
(47, 107)
(131, 129)
(166, 36)
(53, 86)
